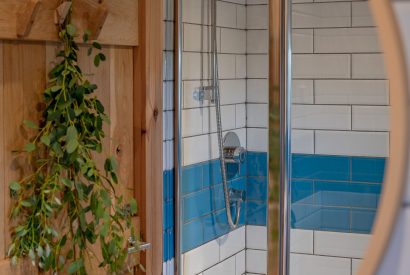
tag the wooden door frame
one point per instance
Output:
(148, 130)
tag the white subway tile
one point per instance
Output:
(191, 122)
(302, 91)
(303, 142)
(201, 258)
(346, 40)
(368, 92)
(233, 41)
(227, 117)
(240, 66)
(192, 37)
(192, 11)
(257, 139)
(168, 66)
(371, 118)
(240, 115)
(240, 259)
(195, 149)
(355, 266)
(191, 66)
(257, 90)
(302, 41)
(226, 267)
(168, 36)
(256, 237)
(242, 2)
(232, 243)
(321, 117)
(361, 14)
(368, 66)
(233, 91)
(241, 16)
(226, 15)
(257, 66)
(301, 241)
(321, 15)
(257, 17)
(349, 245)
(257, 115)
(321, 66)
(256, 261)
(301, 264)
(257, 41)
(352, 143)
(227, 64)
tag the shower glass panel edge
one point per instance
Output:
(279, 135)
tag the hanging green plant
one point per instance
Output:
(66, 204)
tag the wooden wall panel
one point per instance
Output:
(23, 74)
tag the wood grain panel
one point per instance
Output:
(119, 28)
(3, 216)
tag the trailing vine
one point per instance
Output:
(66, 204)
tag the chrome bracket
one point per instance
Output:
(204, 93)
(135, 246)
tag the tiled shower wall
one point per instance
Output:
(168, 140)
(209, 246)
(340, 136)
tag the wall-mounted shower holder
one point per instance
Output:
(204, 93)
(233, 151)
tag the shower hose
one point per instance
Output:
(215, 84)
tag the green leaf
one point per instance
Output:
(71, 30)
(102, 56)
(97, 60)
(97, 45)
(72, 146)
(89, 51)
(30, 124)
(133, 206)
(26, 203)
(29, 147)
(72, 133)
(45, 140)
(86, 35)
(67, 182)
(15, 186)
(75, 266)
(55, 88)
(110, 164)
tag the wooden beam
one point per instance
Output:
(148, 92)
(62, 12)
(25, 17)
(96, 20)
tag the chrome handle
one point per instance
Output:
(140, 246)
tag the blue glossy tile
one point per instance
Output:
(171, 187)
(257, 164)
(320, 167)
(166, 249)
(191, 178)
(217, 198)
(368, 169)
(335, 219)
(302, 191)
(239, 184)
(192, 235)
(348, 194)
(256, 213)
(305, 216)
(171, 244)
(215, 225)
(212, 173)
(170, 214)
(232, 171)
(165, 185)
(197, 204)
(257, 188)
(362, 220)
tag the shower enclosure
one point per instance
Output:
(282, 136)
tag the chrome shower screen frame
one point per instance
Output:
(280, 78)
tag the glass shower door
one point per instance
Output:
(340, 135)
